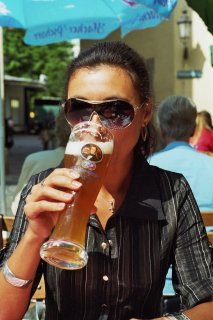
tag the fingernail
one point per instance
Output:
(74, 174)
(67, 195)
(76, 184)
(60, 205)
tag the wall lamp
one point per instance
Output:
(184, 27)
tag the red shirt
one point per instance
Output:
(205, 142)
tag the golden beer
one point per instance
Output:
(90, 158)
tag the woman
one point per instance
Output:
(146, 218)
(202, 139)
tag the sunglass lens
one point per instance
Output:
(117, 114)
(77, 111)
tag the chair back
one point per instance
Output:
(208, 221)
(6, 224)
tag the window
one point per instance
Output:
(15, 103)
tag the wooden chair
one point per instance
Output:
(6, 224)
(208, 221)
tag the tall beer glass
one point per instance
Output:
(88, 152)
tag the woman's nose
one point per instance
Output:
(95, 118)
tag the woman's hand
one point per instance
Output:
(48, 198)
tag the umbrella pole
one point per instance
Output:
(2, 151)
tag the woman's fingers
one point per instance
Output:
(33, 209)
(51, 194)
(61, 177)
(50, 197)
(69, 173)
(58, 186)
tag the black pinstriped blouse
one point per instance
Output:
(158, 224)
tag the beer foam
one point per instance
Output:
(74, 147)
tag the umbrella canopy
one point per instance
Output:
(49, 21)
(205, 10)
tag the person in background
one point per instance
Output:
(208, 118)
(42, 160)
(145, 219)
(177, 120)
(9, 124)
(9, 141)
(47, 131)
(202, 139)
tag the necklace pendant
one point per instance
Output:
(111, 208)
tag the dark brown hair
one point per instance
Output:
(118, 54)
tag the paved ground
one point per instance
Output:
(23, 146)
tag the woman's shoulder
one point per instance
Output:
(175, 192)
(169, 180)
(166, 173)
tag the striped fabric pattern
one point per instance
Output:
(158, 224)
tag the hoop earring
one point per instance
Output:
(144, 133)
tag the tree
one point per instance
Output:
(26, 61)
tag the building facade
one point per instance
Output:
(170, 72)
(18, 93)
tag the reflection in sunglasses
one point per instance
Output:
(114, 114)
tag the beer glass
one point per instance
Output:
(88, 152)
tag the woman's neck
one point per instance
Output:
(119, 175)
(114, 188)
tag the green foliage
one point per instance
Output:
(21, 60)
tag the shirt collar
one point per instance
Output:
(143, 199)
(175, 144)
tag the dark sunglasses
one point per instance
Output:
(114, 114)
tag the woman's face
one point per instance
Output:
(109, 82)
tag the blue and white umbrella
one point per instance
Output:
(50, 21)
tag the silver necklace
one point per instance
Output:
(111, 206)
(110, 203)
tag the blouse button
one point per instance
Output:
(105, 278)
(110, 243)
(104, 245)
(105, 310)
